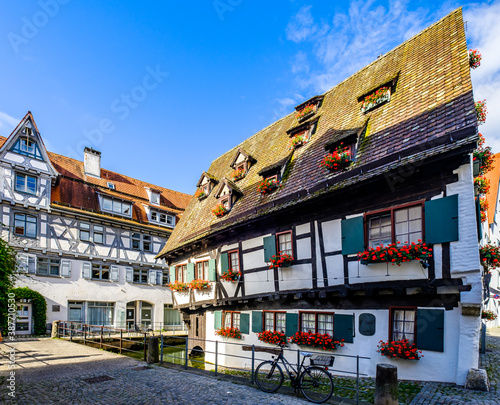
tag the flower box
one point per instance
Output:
(482, 158)
(481, 112)
(231, 275)
(483, 206)
(233, 333)
(399, 349)
(272, 337)
(376, 98)
(280, 260)
(177, 286)
(488, 315)
(200, 195)
(396, 254)
(267, 185)
(199, 285)
(338, 159)
(306, 112)
(481, 185)
(219, 211)
(322, 341)
(474, 58)
(238, 174)
(490, 256)
(297, 141)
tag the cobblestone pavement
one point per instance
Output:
(45, 374)
(444, 394)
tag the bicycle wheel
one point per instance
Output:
(269, 376)
(316, 384)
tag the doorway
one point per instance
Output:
(24, 323)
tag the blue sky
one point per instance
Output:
(163, 88)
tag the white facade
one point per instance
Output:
(89, 266)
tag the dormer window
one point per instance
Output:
(308, 108)
(227, 194)
(241, 164)
(155, 197)
(205, 185)
(27, 147)
(302, 133)
(116, 206)
(162, 218)
(378, 96)
(111, 186)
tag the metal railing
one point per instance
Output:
(114, 339)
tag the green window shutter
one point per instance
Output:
(343, 327)
(245, 323)
(190, 272)
(256, 321)
(478, 218)
(353, 238)
(269, 247)
(441, 220)
(212, 270)
(224, 263)
(171, 274)
(430, 329)
(217, 319)
(292, 324)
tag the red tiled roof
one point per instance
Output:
(77, 190)
(492, 196)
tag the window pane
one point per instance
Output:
(105, 273)
(84, 235)
(163, 218)
(84, 225)
(117, 206)
(31, 185)
(415, 213)
(107, 204)
(227, 321)
(268, 321)
(147, 246)
(126, 209)
(236, 320)
(281, 322)
(42, 266)
(285, 243)
(20, 183)
(325, 324)
(154, 216)
(308, 323)
(54, 267)
(234, 262)
(98, 238)
(30, 229)
(170, 220)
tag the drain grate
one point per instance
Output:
(141, 368)
(95, 380)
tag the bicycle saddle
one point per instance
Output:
(306, 354)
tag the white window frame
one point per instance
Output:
(25, 183)
(155, 216)
(115, 203)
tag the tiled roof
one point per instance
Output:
(79, 191)
(492, 196)
(430, 110)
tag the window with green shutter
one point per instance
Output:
(171, 273)
(217, 319)
(212, 270)
(343, 327)
(292, 324)
(190, 272)
(256, 321)
(353, 240)
(245, 323)
(269, 247)
(430, 329)
(441, 220)
(224, 263)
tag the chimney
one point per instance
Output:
(92, 162)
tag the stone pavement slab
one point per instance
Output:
(53, 372)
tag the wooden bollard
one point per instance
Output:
(386, 385)
(153, 350)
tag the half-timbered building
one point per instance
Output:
(382, 158)
(87, 237)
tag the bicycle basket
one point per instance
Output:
(325, 361)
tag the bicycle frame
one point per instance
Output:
(287, 365)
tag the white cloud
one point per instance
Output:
(483, 32)
(302, 26)
(355, 38)
(7, 123)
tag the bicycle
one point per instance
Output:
(315, 383)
